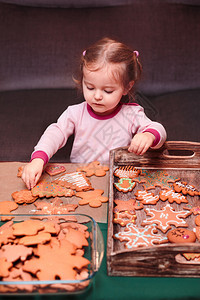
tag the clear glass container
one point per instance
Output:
(94, 252)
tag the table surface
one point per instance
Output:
(10, 183)
(109, 287)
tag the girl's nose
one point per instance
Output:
(98, 95)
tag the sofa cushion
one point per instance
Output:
(179, 112)
(24, 115)
(40, 46)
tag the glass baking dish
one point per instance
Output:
(93, 252)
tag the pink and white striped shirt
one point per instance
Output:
(95, 135)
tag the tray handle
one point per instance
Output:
(180, 150)
(176, 154)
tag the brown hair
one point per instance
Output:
(111, 51)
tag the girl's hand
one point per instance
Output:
(32, 172)
(141, 143)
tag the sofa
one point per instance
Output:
(40, 46)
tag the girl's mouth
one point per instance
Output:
(98, 105)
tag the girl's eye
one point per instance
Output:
(109, 92)
(90, 88)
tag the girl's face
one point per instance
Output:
(101, 90)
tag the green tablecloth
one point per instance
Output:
(134, 288)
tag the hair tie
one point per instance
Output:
(84, 52)
(136, 53)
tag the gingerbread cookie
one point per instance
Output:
(51, 226)
(185, 188)
(28, 227)
(93, 198)
(197, 232)
(146, 197)
(76, 237)
(126, 172)
(23, 196)
(31, 240)
(195, 210)
(44, 266)
(151, 179)
(4, 267)
(123, 218)
(50, 189)
(6, 233)
(125, 185)
(55, 206)
(127, 205)
(94, 168)
(165, 217)
(78, 226)
(20, 171)
(54, 169)
(140, 237)
(66, 245)
(14, 252)
(181, 235)
(5, 209)
(197, 220)
(172, 196)
(17, 274)
(76, 181)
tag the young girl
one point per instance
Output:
(108, 72)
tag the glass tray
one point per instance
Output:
(94, 252)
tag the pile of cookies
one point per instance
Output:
(36, 249)
(44, 250)
(151, 207)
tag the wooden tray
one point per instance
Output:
(180, 160)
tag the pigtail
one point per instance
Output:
(133, 74)
(137, 66)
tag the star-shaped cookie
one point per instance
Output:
(165, 217)
(140, 237)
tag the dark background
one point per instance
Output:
(40, 46)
